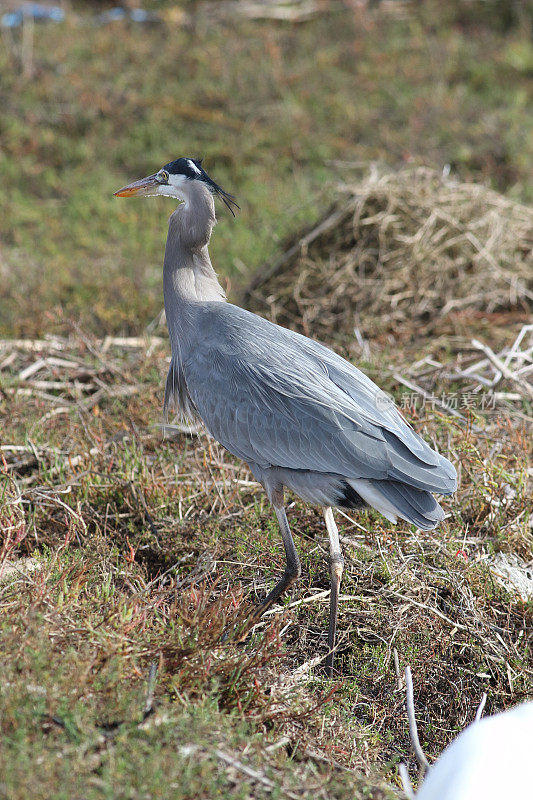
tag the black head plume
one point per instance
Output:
(192, 169)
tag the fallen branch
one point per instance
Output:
(480, 708)
(413, 730)
(503, 368)
(149, 702)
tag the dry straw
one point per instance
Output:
(401, 250)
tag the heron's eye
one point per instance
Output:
(162, 176)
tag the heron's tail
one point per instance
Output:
(396, 499)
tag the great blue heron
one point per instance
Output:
(301, 416)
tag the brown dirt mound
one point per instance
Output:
(399, 253)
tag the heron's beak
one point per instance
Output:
(143, 188)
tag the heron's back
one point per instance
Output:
(296, 412)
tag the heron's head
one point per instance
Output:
(175, 180)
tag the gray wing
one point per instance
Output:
(276, 398)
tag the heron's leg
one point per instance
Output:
(293, 569)
(336, 567)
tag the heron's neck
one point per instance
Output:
(188, 276)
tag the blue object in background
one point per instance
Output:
(42, 13)
(140, 15)
(36, 11)
(118, 13)
(111, 15)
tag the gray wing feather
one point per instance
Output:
(276, 398)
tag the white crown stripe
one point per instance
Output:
(193, 166)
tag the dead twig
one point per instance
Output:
(480, 708)
(149, 701)
(245, 769)
(413, 729)
(503, 368)
(406, 782)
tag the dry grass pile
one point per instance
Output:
(400, 252)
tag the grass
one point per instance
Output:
(106, 104)
(129, 559)
(144, 552)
